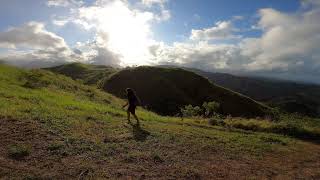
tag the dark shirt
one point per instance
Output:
(132, 100)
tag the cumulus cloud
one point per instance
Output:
(128, 35)
(201, 55)
(221, 30)
(31, 45)
(31, 35)
(164, 14)
(290, 42)
(289, 47)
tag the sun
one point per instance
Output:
(124, 31)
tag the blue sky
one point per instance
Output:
(250, 37)
(185, 15)
(185, 12)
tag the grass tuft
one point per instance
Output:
(19, 151)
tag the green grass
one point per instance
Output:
(89, 74)
(289, 125)
(91, 123)
(70, 108)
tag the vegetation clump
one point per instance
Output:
(18, 151)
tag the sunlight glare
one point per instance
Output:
(126, 32)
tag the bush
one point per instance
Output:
(35, 79)
(189, 111)
(18, 151)
(216, 122)
(210, 108)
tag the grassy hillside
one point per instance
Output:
(89, 74)
(53, 127)
(289, 96)
(165, 90)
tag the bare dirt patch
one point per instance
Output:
(52, 156)
(42, 161)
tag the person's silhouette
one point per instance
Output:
(133, 102)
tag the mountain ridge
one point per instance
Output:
(167, 90)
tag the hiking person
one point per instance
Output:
(133, 102)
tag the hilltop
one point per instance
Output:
(292, 97)
(88, 73)
(53, 127)
(165, 90)
(287, 95)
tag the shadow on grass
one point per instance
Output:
(139, 134)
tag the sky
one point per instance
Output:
(269, 38)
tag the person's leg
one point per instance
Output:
(136, 117)
(128, 115)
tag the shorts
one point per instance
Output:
(132, 109)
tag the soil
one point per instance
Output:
(47, 160)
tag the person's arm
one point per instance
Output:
(125, 105)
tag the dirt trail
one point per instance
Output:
(46, 163)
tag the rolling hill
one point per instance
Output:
(90, 74)
(165, 90)
(292, 97)
(53, 127)
(287, 95)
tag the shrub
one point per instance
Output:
(36, 79)
(214, 121)
(210, 108)
(189, 111)
(55, 146)
(18, 151)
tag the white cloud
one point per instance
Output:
(163, 13)
(221, 30)
(128, 35)
(237, 17)
(64, 3)
(60, 22)
(290, 42)
(31, 45)
(31, 35)
(289, 47)
(31, 42)
(154, 2)
(200, 55)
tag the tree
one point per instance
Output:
(210, 108)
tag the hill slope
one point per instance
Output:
(165, 90)
(90, 74)
(53, 127)
(289, 96)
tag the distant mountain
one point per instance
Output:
(287, 95)
(165, 90)
(90, 74)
